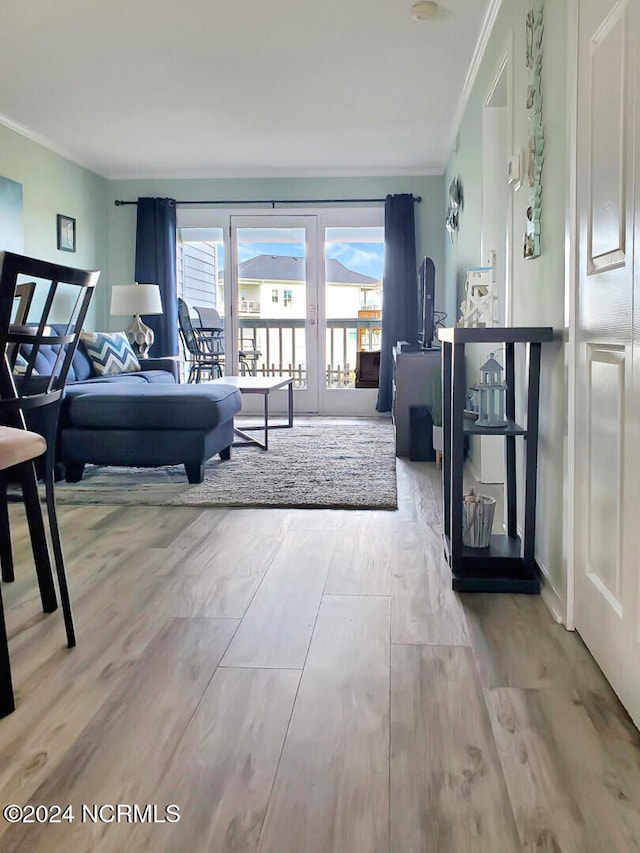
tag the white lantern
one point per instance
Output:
(491, 394)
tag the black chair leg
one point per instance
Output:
(7, 701)
(6, 554)
(57, 547)
(38, 537)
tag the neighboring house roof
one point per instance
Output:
(284, 268)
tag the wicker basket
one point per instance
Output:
(477, 520)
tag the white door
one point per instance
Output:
(274, 288)
(607, 434)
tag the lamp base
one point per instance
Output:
(140, 337)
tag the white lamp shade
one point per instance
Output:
(135, 299)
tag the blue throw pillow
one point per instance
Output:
(110, 353)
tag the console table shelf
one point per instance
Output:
(511, 428)
(508, 564)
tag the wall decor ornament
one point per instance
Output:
(11, 229)
(535, 147)
(66, 229)
(456, 204)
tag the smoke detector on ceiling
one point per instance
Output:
(425, 10)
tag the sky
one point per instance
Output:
(359, 248)
(365, 258)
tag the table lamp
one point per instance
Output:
(137, 299)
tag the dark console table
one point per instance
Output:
(508, 564)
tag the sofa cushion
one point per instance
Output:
(120, 405)
(47, 353)
(141, 377)
(155, 377)
(110, 353)
(80, 364)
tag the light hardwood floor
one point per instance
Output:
(304, 682)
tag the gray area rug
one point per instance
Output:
(327, 466)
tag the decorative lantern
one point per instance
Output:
(491, 394)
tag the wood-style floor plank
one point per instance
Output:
(121, 755)
(447, 788)
(424, 608)
(501, 724)
(224, 768)
(572, 791)
(332, 787)
(277, 627)
(517, 644)
(360, 564)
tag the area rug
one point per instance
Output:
(350, 466)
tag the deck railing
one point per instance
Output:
(281, 344)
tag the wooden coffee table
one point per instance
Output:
(259, 385)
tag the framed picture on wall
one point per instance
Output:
(66, 233)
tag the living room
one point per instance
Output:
(306, 679)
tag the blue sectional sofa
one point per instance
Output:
(141, 419)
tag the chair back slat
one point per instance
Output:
(31, 390)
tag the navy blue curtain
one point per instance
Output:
(156, 264)
(399, 288)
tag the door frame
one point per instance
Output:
(571, 280)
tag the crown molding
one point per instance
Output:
(45, 142)
(474, 67)
(259, 172)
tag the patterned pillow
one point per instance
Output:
(110, 353)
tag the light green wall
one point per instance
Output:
(52, 184)
(537, 285)
(429, 214)
(106, 234)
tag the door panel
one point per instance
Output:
(275, 295)
(607, 485)
(608, 118)
(606, 431)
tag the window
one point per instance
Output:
(274, 295)
(288, 298)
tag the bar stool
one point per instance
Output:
(30, 402)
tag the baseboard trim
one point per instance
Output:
(550, 595)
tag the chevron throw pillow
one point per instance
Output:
(110, 353)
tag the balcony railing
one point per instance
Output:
(249, 306)
(283, 351)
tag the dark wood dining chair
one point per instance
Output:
(17, 447)
(30, 400)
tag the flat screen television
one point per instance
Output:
(426, 306)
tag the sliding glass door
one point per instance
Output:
(300, 295)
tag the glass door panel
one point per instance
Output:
(200, 276)
(275, 298)
(353, 260)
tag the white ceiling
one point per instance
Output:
(215, 88)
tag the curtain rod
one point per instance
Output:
(417, 199)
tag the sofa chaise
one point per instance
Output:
(141, 418)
